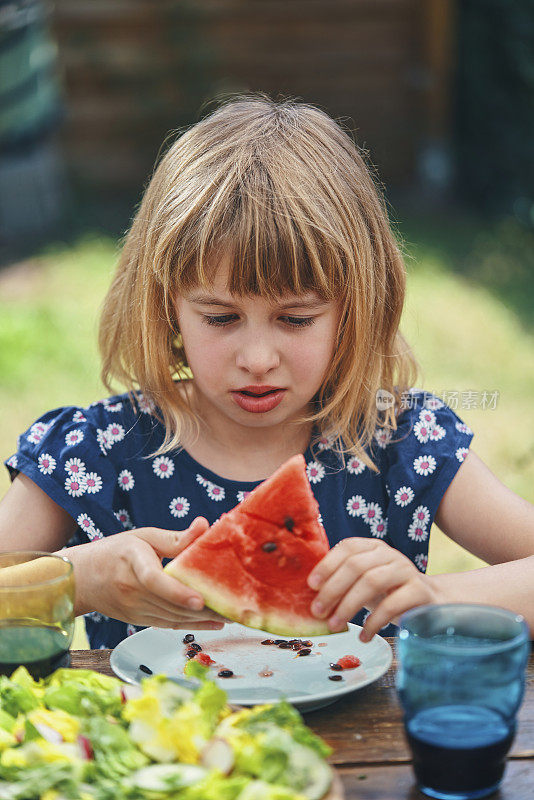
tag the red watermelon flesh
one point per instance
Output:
(252, 564)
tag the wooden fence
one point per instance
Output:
(134, 70)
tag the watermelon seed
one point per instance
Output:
(225, 673)
(269, 547)
(195, 646)
(268, 641)
(284, 645)
(336, 666)
(279, 641)
(307, 643)
(145, 669)
(294, 641)
(289, 523)
(305, 652)
(335, 677)
(297, 646)
(188, 638)
(190, 653)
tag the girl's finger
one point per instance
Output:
(348, 573)
(167, 544)
(396, 603)
(369, 591)
(336, 556)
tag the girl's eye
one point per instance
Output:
(221, 320)
(299, 322)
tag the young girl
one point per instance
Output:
(254, 315)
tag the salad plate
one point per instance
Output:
(261, 673)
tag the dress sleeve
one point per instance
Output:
(65, 454)
(423, 456)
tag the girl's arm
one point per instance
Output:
(485, 517)
(479, 513)
(121, 575)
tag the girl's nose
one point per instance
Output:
(257, 355)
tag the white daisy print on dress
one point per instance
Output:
(163, 467)
(86, 524)
(421, 431)
(379, 528)
(356, 506)
(12, 462)
(314, 471)
(114, 407)
(115, 433)
(424, 465)
(433, 403)
(126, 480)
(214, 492)
(427, 417)
(463, 428)
(461, 453)
(74, 437)
(75, 466)
(74, 486)
(417, 532)
(421, 561)
(92, 481)
(179, 506)
(325, 442)
(372, 512)
(421, 515)
(146, 406)
(383, 437)
(131, 629)
(355, 466)
(241, 495)
(47, 463)
(404, 496)
(436, 433)
(124, 518)
(201, 480)
(96, 616)
(104, 441)
(79, 416)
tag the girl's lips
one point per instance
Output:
(258, 405)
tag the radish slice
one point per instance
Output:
(218, 754)
(130, 691)
(86, 748)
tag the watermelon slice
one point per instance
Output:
(252, 564)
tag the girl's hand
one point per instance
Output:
(121, 576)
(359, 573)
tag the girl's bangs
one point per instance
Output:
(273, 247)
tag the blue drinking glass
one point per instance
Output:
(461, 679)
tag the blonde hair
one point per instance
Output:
(284, 190)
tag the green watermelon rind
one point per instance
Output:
(223, 602)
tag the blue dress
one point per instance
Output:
(95, 463)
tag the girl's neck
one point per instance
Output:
(242, 453)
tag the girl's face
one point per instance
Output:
(255, 362)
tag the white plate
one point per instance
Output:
(303, 681)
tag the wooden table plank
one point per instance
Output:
(396, 782)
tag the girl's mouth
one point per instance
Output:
(258, 402)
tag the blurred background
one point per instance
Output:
(440, 94)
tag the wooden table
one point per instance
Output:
(370, 753)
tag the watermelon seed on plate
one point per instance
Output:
(269, 547)
(225, 673)
(284, 645)
(278, 641)
(297, 646)
(195, 646)
(188, 638)
(190, 653)
(336, 666)
(304, 652)
(289, 523)
(268, 641)
(145, 669)
(307, 643)
(335, 677)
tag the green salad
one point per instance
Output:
(79, 734)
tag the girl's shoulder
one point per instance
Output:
(98, 427)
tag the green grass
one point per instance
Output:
(467, 318)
